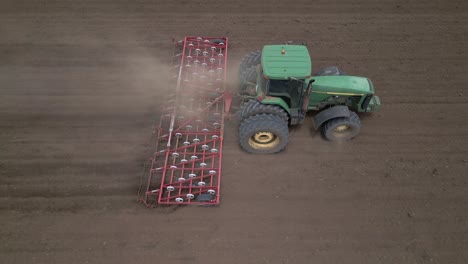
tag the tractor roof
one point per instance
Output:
(282, 61)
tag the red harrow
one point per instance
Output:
(186, 165)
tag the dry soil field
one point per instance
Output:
(80, 86)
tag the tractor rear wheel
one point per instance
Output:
(247, 81)
(263, 134)
(251, 59)
(342, 128)
(254, 107)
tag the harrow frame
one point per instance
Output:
(186, 164)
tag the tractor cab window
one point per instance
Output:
(289, 90)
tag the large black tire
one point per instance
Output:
(342, 128)
(329, 71)
(247, 79)
(254, 107)
(263, 134)
(249, 60)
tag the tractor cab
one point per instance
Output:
(282, 75)
(289, 90)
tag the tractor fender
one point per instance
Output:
(330, 113)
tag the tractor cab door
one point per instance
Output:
(289, 90)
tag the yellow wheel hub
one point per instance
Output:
(341, 128)
(263, 140)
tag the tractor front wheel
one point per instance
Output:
(263, 134)
(342, 128)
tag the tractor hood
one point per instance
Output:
(342, 85)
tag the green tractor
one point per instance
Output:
(278, 90)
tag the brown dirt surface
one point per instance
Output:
(80, 87)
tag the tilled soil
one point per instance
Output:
(81, 83)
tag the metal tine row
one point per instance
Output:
(194, 155)
(192, 165)
(192, 168)
(184, 194)
(205, 60)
